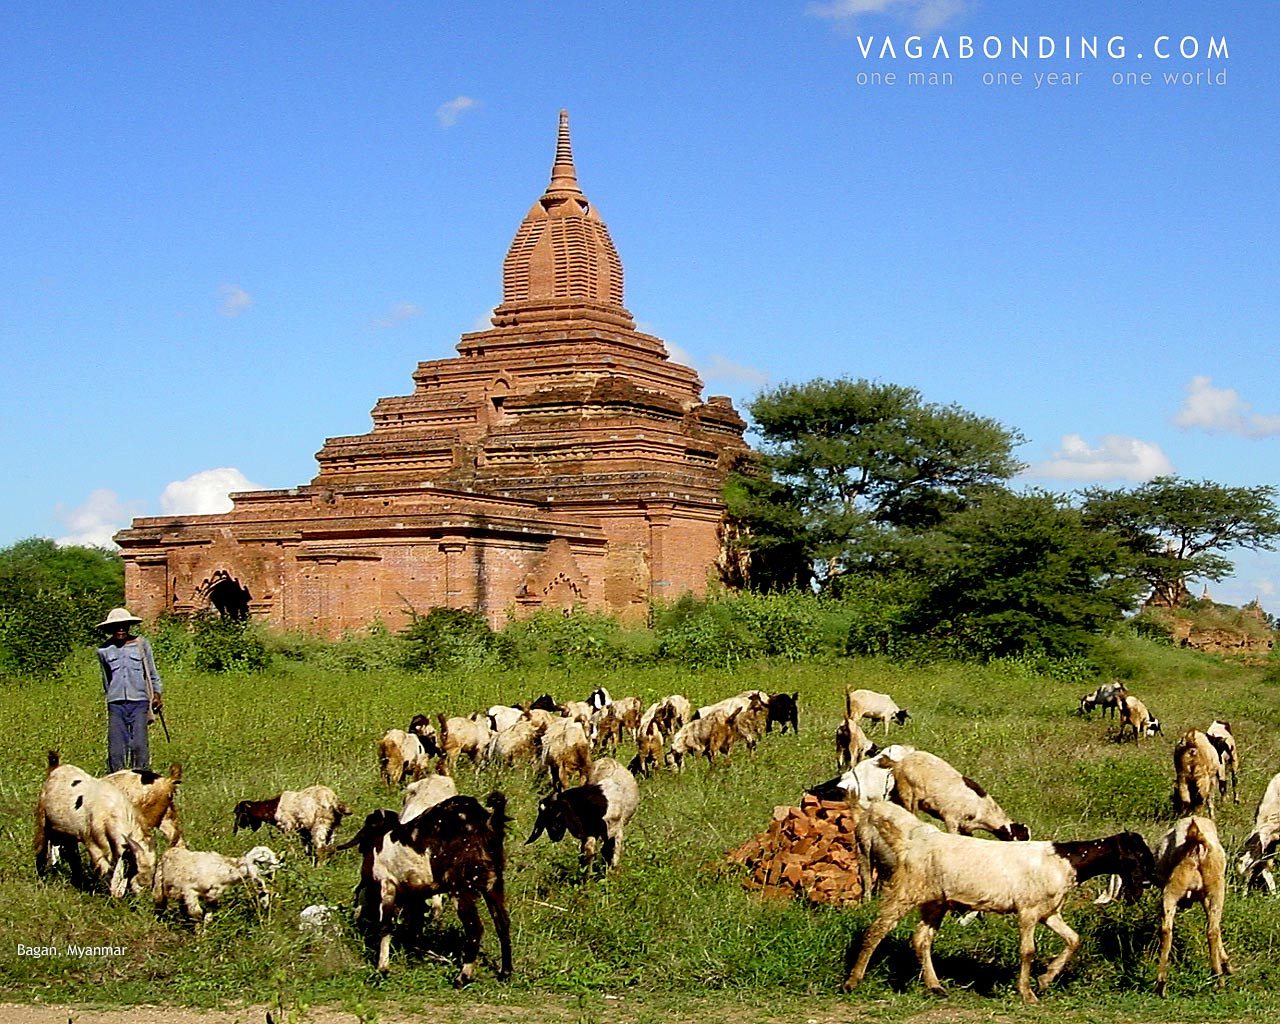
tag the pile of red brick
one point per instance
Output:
(808, 850)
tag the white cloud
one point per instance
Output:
(447, 114)
(924, 15)
(235, 300)
(97, 520)
(721, 368)
(718, 367)
(398, 314)
(1222, 411)
(1116, 458)
(204, 493)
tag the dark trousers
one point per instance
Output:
(127, 735)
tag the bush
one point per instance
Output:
(226, 645)
(725, 631)
(566, 641)
(453, 638)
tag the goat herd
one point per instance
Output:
(444, 843)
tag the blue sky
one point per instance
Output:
(230, 230)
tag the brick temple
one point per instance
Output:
(561, 460)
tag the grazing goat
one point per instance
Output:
(869, 779)
(785, 711)
(937, 872)
(194, 875)
(426, 793)
(1191, 867)
(1198, 773)
(593, 813)
(460, 736)
(519, 741)
(925, 782)
(614, 720)
(1259, 852)
(1107, 696)
(879, 707)
(707, 736)
(407, 755)
(852, 744)
(1224, 742)
(455, 848)
(566, 751)
(648, 750)
(152, 796)
(1134, 715)
(503, 716)
(74, 807)
(746, 712)
(668, 715)
(314, 813)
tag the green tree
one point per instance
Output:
(860, 462)
(51, 599)
(1018, 574)
(1177, 529)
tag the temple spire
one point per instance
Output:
(564, 178)
(562, 265)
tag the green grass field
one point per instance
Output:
(674, 924)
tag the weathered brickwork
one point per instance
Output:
(560, 460)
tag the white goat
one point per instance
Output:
(1258, 856)
(872, 777)
(925, 782)
(195, 875)
(426, 793)
(314, 813)
(469, 736)
(937, 872)
(879, 707)
(74, 807)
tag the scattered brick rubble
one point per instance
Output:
(807, 851)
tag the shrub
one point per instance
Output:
(453, 638)
(566, 641)
(226, 645)
(728, 630)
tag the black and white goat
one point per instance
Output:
(593, 813)
(1107, 696)
(454, 848)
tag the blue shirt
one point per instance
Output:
(122, 677)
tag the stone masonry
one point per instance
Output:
(561, 460)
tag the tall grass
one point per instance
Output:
(674, 922)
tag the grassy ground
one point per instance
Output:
(673, 927)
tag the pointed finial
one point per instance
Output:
(563, 175)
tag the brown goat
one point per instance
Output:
(152, 796)
(1198, 772)
(1191, 867)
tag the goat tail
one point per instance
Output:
(498, 821)
(54, 759)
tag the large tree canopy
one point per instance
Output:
(51, 598)
(1177, 529)
(859, 460)
(1019, 572)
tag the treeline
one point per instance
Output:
(866, 493)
